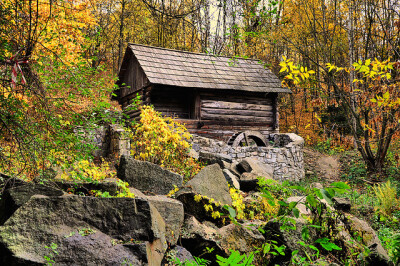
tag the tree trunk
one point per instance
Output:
(121, 34)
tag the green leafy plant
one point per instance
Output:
(395, 250)
(327, 244)
(235, 258)
(86, 231)
(386, 194)
(196, 262)
(51, 256)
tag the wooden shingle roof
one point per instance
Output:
(186, 69)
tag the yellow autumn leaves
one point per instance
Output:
(163, 141)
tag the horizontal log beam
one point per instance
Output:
(238, 118)
(227, 112)
(235, 106)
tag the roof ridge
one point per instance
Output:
(187, 52)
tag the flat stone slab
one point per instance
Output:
(86, 230)
(147, 177)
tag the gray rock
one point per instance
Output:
(370, 239)
(180, 253)
(212, 158)
(316, 185)
(242, 238)
(287, 139)
(248, 182)
(147, 176)
(194, 154)
(45, 220)
(209, 182)
(137, 192)
(234, 169)
(197, 236)
(15, 197)
(171, 211)
(231, 178)
(254, 166)
(342, 204)
(196, 147)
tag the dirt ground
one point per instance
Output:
(324, 166)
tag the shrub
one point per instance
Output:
(87, 170)
(386, 194)
(163, 141)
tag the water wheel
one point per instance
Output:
(247, 138)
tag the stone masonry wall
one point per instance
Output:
(285, 154)
(110, 140)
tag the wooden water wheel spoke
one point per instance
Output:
(248, 138)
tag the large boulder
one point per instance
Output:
(86, 230)
(254, 166)
(249, 182)
(231, 178)
(197, 237)
(15, 197)
(180, 253)
(369, 238)
(250, 169)
(211, 184)
(147, 177)
(241, 237)
(171, 210)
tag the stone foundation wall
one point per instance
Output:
(110, 140)
(285, 154)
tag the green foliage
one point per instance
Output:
(123, 191)
(386, 194)
(354, 168)
(86, 231)
(235, 258)
(270, 249)
(395, 249)
(52, 254)
(327, 244)
(327, 147)
(196, 262)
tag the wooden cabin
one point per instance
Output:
(214, 96)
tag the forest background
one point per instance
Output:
(59, 60)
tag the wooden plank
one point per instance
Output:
(250, 114)
(233, 124)
(235, 105)
(236, 118)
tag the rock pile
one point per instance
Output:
(88, 230)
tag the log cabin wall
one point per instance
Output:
(222, 114)
(212, 114)
(173, 101)
(132, 80)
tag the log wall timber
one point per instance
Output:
(222, 130)
(223, 114)
(172, 101)
(210, 113)
(133, 77)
